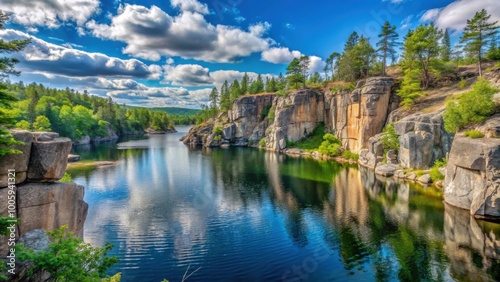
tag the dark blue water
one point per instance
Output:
(248, 215)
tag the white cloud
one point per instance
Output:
(455, 15)
(151, 33)
(49, 13)
(316, 65)
(46, 57)
(279, 55)
(187, 75)
(406, 22)
(190, 5)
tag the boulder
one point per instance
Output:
(213, 140)
(17, 162)
(49, 206)
(472, 179)
(424, 179)
(386, 170)
(44, 136)
(422, 140)
(48, 160)
(491, 127)
(372, 156)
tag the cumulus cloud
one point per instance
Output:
(190, 5)
(455, 15)
(279, 55)
(51, 58)
(187, 75)
(151, 33)
(49, 13)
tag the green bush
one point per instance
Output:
(472, 107)
(218, 138)
(331, 146)
(434, 172)
(23, 124)
(262, 142)
(462, 84)
(474, 134)
(390, 140)
(271, 113)
(348, 155)
(68, 258)
(343, 88)
(217, 130)
(66, 178)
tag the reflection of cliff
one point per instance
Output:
(473, 248)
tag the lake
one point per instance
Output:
(243, 214)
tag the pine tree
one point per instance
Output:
(225, 96)
(244, 84)
(235, 90)
(214, 99)
(364, 55)
(330, 63)
(446, 48)
(387, 44)
(477, 34)
(352, 41)
(294, 72)
(6, 100)
(304, 63)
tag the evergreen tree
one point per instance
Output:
(446, 48)
(235, 90)
(294, 72)
(245, 81)
(304, 63)
(257, 86)
(225, 96)
(352, 41)
(330, 64)
(387, 44)
(477, 34)
(214, 98)
(271, 85)
(6, 99)
(494, 50)
(364, 55)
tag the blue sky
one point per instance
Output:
(172, 52)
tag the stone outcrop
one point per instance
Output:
(40, 203)
(50, 206)
(246, 115)
(17, 162)
(357, 116)
(48, 159)
(296, 117)
(473, 176)
(422, 140)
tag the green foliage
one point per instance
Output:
(262, 142)
(271, 113)
(265, 112)
(116, 278)
(296, 71)
(390, 139)
(331, 146)
(387, 44)
(312, 142)
(218, 138)
(472, 107)
(462, 84)
(356, 60)
(66, 178)
(217, 130)
(343, 87)
(68, 258)
(41, 123)
(410, 88)
(348, 155)
(419, 172)
(474, 134)
(435, 173)
(23, 124)
(477, 34)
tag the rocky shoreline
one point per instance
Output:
(357, 118)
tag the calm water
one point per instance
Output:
(248, 215)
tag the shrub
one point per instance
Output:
(218, 138)
(265, 112)
(68, 258)
(419, 172)
(472, 107)
(311, 142)
(462, 84)
(66, 178)
(474, 134)
(271, 113)
(390, 139)
(331, 146)
(23, 124)
(262, 142)
(217, 130)
(346, 87)
(348, 155)
(434, 172)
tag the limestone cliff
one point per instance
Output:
(41, 202)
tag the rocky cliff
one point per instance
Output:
(41, 202)
(473, 172)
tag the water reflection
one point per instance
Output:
(248, 215)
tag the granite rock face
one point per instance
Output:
(48, 159)
(422, 140)
(49, 206)
(472, 179)
(17, 162)
(357, 116)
